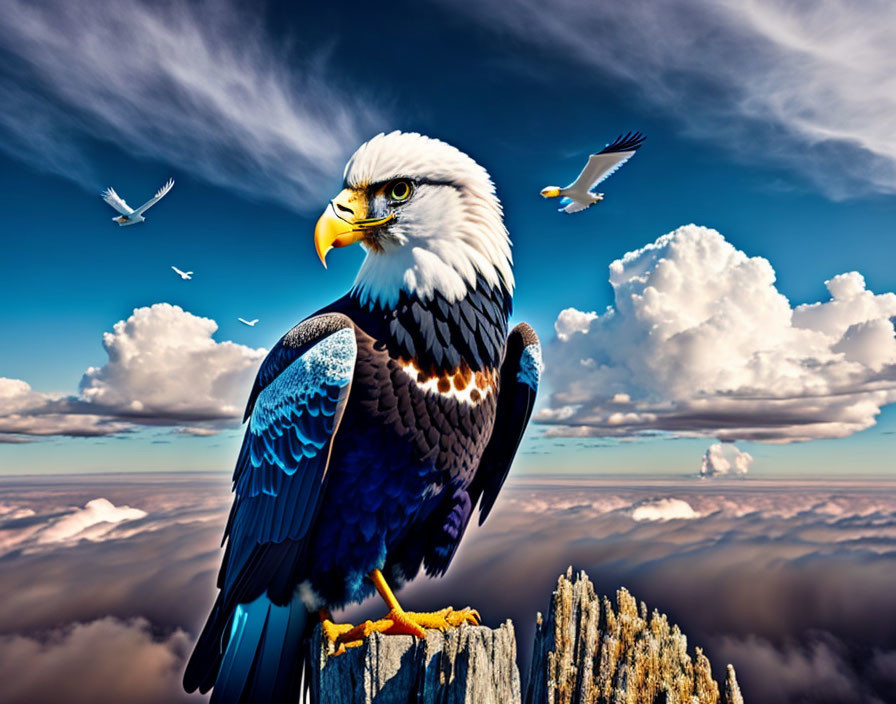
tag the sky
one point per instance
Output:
(692, 306)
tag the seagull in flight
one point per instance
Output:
(250, 323)
(185, 275)
(579, 195)
(129, 216)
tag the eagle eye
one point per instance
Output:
(400, 190)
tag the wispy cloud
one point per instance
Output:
(810, 85)
(203, 87)
(164, 368)
(700, 342)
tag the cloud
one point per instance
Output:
(164, 368)
(104, 661)
(668, 509)
(765, 561)
(771, 576)
(811, 86)
(77, 524)
(25, 414)
(160, 567)
(818, 670)
(96, 521)
(205, 88)
(164, 362)
(701, 342)
(719, 460)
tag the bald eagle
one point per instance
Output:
(376, 425)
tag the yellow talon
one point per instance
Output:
(396, 622)
(445, 618)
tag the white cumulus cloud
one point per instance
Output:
(667, 509)
(164, 361)
(164, 368)
(725, 459)
(701, 342)
(83, 522)
(97, 520)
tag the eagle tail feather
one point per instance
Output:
(265, 656)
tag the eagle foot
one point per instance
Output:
(397, 622)
(445, 618)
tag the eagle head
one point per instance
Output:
(427, 215)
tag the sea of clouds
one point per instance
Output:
(107, 579)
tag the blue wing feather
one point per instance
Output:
(294, 412)
(289, 434)
(520, 374)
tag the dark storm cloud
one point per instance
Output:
(791, 582)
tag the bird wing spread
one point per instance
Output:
(156, 198)
(607, 161)
(294, 413)
(116, 201)
(520, 373)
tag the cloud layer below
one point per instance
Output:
(165, 80)
(699, 341)
(789, 581)
(164, 368)
(809, 85)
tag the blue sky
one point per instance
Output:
(528, 101)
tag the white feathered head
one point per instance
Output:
(426, 213)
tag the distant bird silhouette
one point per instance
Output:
(250, 323)
(129, 216)
(185, 275)
(578, 195)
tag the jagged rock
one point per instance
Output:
(732, 689)
(587, 652)
(466, 665)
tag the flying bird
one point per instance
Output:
(376, 426)
(579, 195)
(129, 216)
(250, 323)
(185, 275)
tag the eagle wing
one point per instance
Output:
(520, 373)
(156, 198)
(294, 412)
(607, 161)
(116, 201)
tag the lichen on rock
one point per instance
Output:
(589, 652)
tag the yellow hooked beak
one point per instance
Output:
(343, 223)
